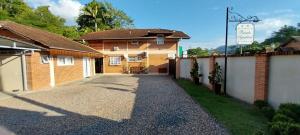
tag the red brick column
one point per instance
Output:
(261, 77)
(178, 67)
(212, 61)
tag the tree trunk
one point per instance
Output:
(96, 26)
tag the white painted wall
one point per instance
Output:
(185, 68)
(204, 69)
(284, 80)
(284, 77)
(241, 78)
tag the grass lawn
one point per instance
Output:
(239, 118)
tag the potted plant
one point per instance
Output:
(215, 78)
(201, 78)
(194, 72)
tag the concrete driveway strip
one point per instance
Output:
(112, 104)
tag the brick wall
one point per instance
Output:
(113, 68)
(261, 77)
(158, 62)
(177, 68)
(38, 74)
(68, 73)
(212, 61)
(157, 54)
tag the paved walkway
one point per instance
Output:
(108, 105)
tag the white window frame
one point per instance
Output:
(45, 59)
(134, 59)
(63, 60)
(160, 40)
(115, 60)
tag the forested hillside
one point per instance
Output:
(102, 14)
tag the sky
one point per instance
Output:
(203, 20)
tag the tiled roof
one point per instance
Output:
(297, 38)
(285, 47)
(50, 40)
(134, 34)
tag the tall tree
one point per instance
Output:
(18, 11)
(102, 16)
(42, 18)
(282, 35)
(254, 48)
(197, 52)
(12, 8)
(91, 11)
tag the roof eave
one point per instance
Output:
(94, 51)
(87, 39)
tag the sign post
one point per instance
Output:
(244, 34)
(236, 17)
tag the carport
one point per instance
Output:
(13, 76)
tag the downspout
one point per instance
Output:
(147, 57)
(24, 70)
(127, 59)
(103, 58)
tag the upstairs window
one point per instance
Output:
(134, 59)
(160, 40)
(114, 60)
(65, 60)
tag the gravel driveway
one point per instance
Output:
(108, 105)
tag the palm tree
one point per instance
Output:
(92, 10)
(102, 16)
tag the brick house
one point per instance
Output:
(135, 50)
(33, 59)
(292, 45)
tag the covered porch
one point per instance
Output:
(13, 71)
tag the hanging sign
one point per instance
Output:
(245, 33)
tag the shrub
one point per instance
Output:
(259, 132)
(268, 112)
(260, 104)
(286, 120)
(290, 110)
(265, 108)
(282, 118)
(285, 128)
(195, 72)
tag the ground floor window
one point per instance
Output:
(44, 59)
(116, 60)
(65, 60)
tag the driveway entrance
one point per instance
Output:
(108, 105)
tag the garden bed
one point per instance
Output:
(238, 117)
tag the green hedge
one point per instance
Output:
(265, 108)
(286, 120)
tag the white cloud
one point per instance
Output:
(67, 9)
(269, 25)
(274, 20)
(271, 21)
